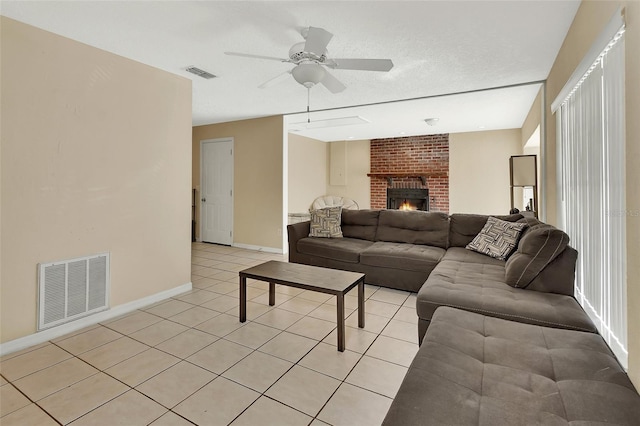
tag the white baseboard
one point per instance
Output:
(61, 330)
(252, 247)
(258, 248)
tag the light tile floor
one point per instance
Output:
(188, 360)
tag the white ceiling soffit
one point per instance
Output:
(437, 47)
(505, 108)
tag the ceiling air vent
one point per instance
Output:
(200, 73)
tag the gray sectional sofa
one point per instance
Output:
(534, 285)
(393, 248)
(473, 369)
(425, 252)
(503, 342)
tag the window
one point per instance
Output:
(591, 183)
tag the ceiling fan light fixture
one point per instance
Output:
(308, 74)
(310, 57)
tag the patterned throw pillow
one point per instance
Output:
(325, 223)
(497, 239)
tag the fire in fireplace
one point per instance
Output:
(408, 199)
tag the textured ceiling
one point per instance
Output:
(438, 47)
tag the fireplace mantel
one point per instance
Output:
(418, 175)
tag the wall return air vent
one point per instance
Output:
(72, 289)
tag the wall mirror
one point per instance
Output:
(523, 171)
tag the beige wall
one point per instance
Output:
(590, 20)
(257, 178)
(307, 172)
(358, 164)
(1, 202)
(633, 189)
(479, 170)
(96, 157)
(309, 168)
(532, 123)
(534, 118)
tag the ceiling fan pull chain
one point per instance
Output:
(308, 96)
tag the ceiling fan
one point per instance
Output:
(310, 58)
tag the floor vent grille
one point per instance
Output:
(72, 289)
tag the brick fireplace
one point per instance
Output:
(408, 198)
(411, 162)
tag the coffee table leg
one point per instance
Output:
(243, 298)
(272, 294)
(361, 303)
(340, 322)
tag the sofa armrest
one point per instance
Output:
(295, 233)
(559, 275)
(537, 250)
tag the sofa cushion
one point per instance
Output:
(497, 238)
(481, 288)
(410, 257)
(536, 249)
(464, 227)
(477, 370)
(344, 249)
(325, 223)
(360, 224)
(461, 254)
(414, 227)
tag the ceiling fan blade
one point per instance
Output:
(333, 84)
(275, 80)
(249, 55)
(317, 41)
(361, 64)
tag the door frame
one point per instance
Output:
(233, 195)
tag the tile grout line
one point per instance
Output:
(271, 385)
(282, 375)
(30, 400)
(218, 338)
(72, 357)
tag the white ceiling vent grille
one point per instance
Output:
(72, 289)
(200, 73)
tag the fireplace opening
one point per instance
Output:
(408, 199)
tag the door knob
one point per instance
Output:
(204, 200)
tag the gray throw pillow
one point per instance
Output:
(325, 223)
(497, 238)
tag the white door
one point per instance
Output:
(217, 191)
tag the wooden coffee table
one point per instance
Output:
(323, 280)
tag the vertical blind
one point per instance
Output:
(591, 180)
